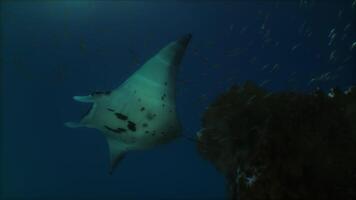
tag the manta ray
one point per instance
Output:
(141, 112)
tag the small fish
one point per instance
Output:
(253, 60)
(323, 77)
(332, 31)
(353, 46)
(264, 82)
(264, 67)
(340, 67)
(309, 34)
(243, 30)
(347, 27)
(332, 36)
(349, 90)
(332, 56)
(249, 100)
(263, 26)
(340, 13)
(295, 47)
(275, 68)
(331, 94)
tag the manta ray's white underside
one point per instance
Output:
(141, 112)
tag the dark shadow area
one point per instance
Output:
(282, 145)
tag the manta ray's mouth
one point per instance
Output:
(87, 111)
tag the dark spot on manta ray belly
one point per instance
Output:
(117, 130)
(121, 116)
(131, 126)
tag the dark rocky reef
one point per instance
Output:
(282, 145)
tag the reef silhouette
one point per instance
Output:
(282, 145)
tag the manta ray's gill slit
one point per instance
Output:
(121, 116)
(144, 125)
(117, 130)
(131, 125)
(111, 110)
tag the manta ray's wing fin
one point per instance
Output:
(84, 99)
(117, 152)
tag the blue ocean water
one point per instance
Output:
(53, 50)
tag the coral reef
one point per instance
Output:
(282, 145)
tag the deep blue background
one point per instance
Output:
(53, 50)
